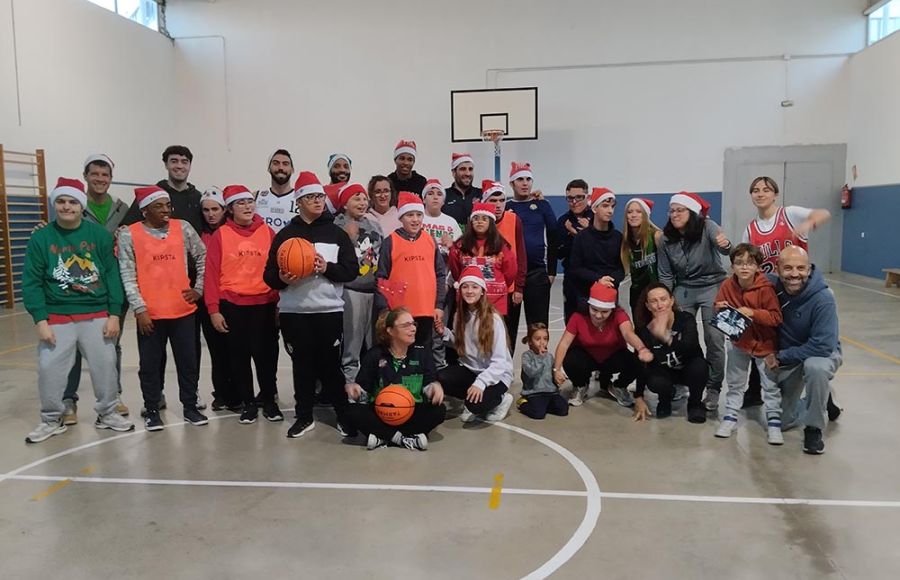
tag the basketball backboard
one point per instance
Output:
(514, 111)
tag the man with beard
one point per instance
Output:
(809, 349)
(460, 196)
(339, 165)
(184, 196)
(276, 205)
(405, 178)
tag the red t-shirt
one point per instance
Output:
(603, 343)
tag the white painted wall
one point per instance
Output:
(89, 81)
(355, 76)
(873, 143)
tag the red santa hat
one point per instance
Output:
(347, 192)
(485, 209)
(307, 184)
(432, 184)
(101, 157)
(602, 296)
(490, 188)
(71, 187)
(601, 194)
(147, 195)
(213, 194)
(646, 204)
(408, 147)
(472, 274)
(457, 159)
(692, 201)
(518, 170)
(233, 193)
(407, 202)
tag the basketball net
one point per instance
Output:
(495, 136)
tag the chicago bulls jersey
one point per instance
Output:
(772, 236)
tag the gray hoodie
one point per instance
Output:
(693, 265)
(537, 373)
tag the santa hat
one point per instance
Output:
(490, 188)
(692, 201)
(602, 296)
(347, 192)
(71, 187)
(646, 204)
(307, 184)
(472, 274)
(101, 157)
(601, 194)
(457, 159)
(407, 202)
(518, 170)
(334, 157)
(485, 209)
(233, 193)
(213, 194)
(432, 184)
(402, 147)
(147, 195)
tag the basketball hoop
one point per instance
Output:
(495, 136)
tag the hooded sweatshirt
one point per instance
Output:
(693, 265)
(761, 338)
(810, 325)
(368, 246)
(212, 291)
(491, 368)
(317, 293)
(594, 254)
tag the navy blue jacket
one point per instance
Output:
(810, 323)
(539, 229)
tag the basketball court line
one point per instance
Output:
(871, 350)
(832, 281)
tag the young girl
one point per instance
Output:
(540, 395)
(396, 360)
(484, 371)
(639, 244)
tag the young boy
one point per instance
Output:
(410, 258)
(153, 257)
(71, 288)
(750, 293)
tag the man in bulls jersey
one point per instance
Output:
(775, 228)
(276, 205)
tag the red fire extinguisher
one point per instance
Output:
(846, 197)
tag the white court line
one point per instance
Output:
(751, 500)
(12, 314)
(861, 288)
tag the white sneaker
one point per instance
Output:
(374, 442)
(467, 416)
(773, 432)
(45, 431)
(621, 395)
(417, 442)
(114, 421)
(500, 412)
(579, 395)
(726, 426)
(711, 401)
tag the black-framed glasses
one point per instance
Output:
(575, 198)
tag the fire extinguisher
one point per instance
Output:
(846, 197)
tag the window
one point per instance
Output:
(145, 12)
(884, 20)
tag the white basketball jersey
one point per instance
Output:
(276, 210)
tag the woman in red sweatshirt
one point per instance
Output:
(241, 305)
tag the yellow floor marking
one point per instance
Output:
(871, 350)
(494, 502)
(17, 349)
(59, 485)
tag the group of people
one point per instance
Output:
(421, 286)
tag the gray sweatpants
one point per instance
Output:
(814, 375)
(691, 300)
(358, 329)
(55, 362)
(739, 362)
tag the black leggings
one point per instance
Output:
(662, 380)
(538, 405)
(251, 335)
(425, 418)
(579, 364)
(456, 380)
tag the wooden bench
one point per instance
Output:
(891, 277)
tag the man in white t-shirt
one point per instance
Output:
(276, 205)
(443, 228)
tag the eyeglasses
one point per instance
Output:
(575, 198)
(314, 196)
(405, 325)
(677, 210)
(739, 264)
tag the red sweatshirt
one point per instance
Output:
(213, 279)
(761, 338)
(499, 270)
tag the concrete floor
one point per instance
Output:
(235, 501)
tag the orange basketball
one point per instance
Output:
(394, 405)
(296, 256)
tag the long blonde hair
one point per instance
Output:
(647, 231)
(484, 318)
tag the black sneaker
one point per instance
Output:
(833, 410)
(812, 441)
(162, 406)
(271, 412)
(300, 427)
(696, 414)
(235, 408)
(153, 422)
(248, 415)
(218, 405)
(347, 430)
(664, 408)
(195, 417)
